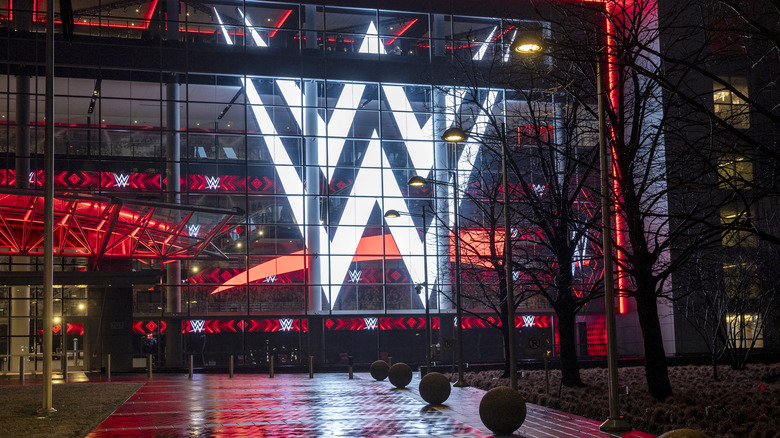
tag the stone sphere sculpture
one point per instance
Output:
(684, 433)
(502, 410)
(400, 375)
(379, 370)
(435, 388)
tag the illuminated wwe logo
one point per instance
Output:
(363, 196)
(515, 275)
(529, 320)
(538, 189)
(121, 180)
(515, 233)
(354, 276)
(371, 323)
(212, 182)
(270, 279)
(31, 177)
(198, 325)
(193, 230)
(285, 325)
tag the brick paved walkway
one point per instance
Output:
(330, 405)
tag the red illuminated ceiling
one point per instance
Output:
(96, 227)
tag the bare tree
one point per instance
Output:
(551, 162)
(732, 301)
(656, 231)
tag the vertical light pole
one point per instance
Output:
(48, 216)
(615, 422)
(394, 214)
(455, 135)
(531, 43)
(510, 293)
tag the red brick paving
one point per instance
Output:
(330, 405)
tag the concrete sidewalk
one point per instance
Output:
(328, 405)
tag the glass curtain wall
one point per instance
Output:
(243, 145)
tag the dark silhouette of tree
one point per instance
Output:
(554, 199)
(656, 231)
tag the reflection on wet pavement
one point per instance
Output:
(330, 405)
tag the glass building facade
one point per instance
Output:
(306, 121)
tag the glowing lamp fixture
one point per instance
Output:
(454, 135)
(392, 214)
(415, 181)
(527, 43)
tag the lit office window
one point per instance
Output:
(734, 220)
(740, 281)
(745, 330)
(735, 172)
(729, 106)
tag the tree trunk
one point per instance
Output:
(714, 368)
(570, 367)
(656, 370)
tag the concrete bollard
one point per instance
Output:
(108, 366)
(350, 367)
(149, 366)
(271, 368)
(230, 367)
(21, 367)
(189, 374)
(311, 367)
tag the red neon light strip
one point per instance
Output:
(402, 30)
(280, 23)
(620, 226)
(502, 34)
(150, 12)
(613, 93)
(146, 18)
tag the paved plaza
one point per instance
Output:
(329, 405)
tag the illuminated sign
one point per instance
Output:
(197, 325)
(354, 276)
(121, 180)
(364, 193)
(285, 325)
(212, 182)
(193, 230)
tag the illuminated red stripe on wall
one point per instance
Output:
(280, 23)
(613, 94)
(359, 324)
(401, 31)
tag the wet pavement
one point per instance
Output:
(329, 405)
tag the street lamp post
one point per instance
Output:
(509, 279)
(529, 44)
(615, 422)
(452, 135)
(456, 135)
(428, 334)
